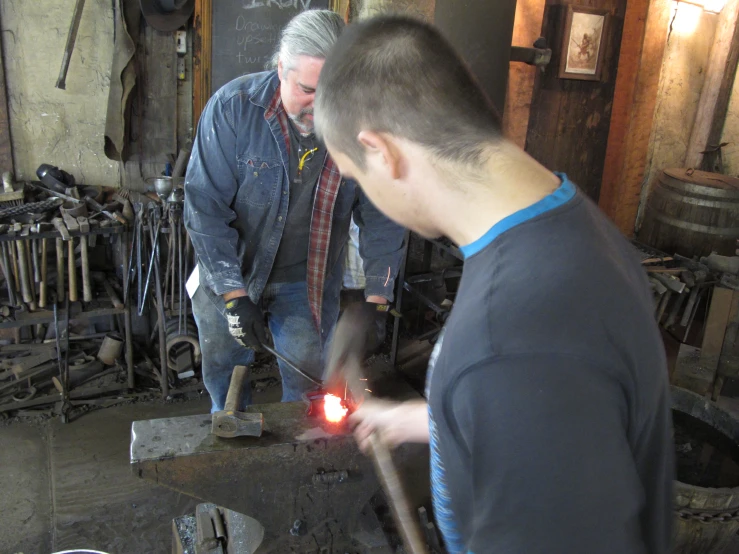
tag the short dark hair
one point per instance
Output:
(399, 75)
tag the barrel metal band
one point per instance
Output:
(729, 232)
(703, 516)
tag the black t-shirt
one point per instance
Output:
(292, 254)
(548, 393)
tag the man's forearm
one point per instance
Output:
(375, 299)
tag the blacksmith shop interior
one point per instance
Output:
(225, 331)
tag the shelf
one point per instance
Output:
(41, 317)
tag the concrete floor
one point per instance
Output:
(71, 486)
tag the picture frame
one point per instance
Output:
(584, 43)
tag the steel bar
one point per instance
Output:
(164, 372)
(44, 286)
(292, 366)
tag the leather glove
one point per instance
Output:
(246, 322)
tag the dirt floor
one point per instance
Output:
(70, 486)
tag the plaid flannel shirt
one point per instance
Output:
(322, 217)
(237, 196)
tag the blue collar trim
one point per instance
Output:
(559, 197)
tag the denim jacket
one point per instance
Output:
(236, 200)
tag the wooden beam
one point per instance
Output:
(646, 27)
(526, 29)
(6, 149)
(717, 85)
(201, 59)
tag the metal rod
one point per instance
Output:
(60, 270)
(292, 366)
(152, 261)
(162, 335)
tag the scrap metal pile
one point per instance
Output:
(92, 296)
(697, 304)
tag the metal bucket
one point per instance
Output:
(707, 486)
(111, 348)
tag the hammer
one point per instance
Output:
(229, 422)
(344, 362)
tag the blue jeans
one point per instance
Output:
(294, 333)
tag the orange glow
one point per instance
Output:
(334, 409)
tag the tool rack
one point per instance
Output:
(410, 285)
(44, 316)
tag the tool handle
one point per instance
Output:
(44, 273)
(23, 270)
(399, 504)
(8, 273)
(72, 272)
(86, 285)
(59, 270)
(61, 82)
(233, 398)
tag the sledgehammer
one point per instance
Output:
(229, 422)
(344, 363)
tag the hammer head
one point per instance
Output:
(229, 424)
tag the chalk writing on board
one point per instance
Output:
(243, 24)
(281, 4)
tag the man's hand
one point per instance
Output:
(246, 322)
(394, 422)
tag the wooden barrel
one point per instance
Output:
(707, 517)
(692, 213)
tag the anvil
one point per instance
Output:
(306, 485)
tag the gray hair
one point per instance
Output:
(311, 33)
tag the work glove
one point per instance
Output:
(246, 322)
(375, 316)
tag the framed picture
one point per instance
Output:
(583, 44)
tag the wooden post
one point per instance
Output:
(526, 29)
(646, 27)
(6, 152)
(717, 86)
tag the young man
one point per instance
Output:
(548, 410)
(269, 213)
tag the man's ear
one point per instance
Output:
(382, 145)
(279, 70)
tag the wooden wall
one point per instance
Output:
(570, 119)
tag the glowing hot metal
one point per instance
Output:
(334, 409)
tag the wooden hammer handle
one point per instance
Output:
(390, 479)
(233, 398)
(72, 271)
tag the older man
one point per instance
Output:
(269, 213)
(548, 412)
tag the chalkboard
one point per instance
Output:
(245, 34)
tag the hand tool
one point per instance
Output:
(13, 232)
(39, 186)
(66, 406)
(23, 272)
(8, 273)
(35, 255)
(26, 232)
(140, 231)
(43, 287)
(61, 82)
(10, 197)
(72, 225)
(112, 216)
(230, 422)
(292, 366)
(58, 222)
(160, 324)
(109, 290)
(344, 361)
(154, 256)
(84, 256)
(60, 268)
